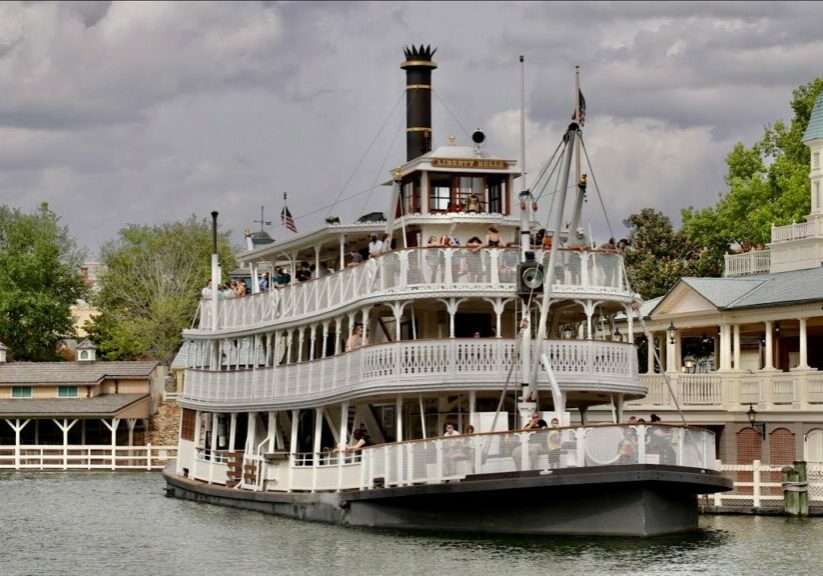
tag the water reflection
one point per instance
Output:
(100, 523)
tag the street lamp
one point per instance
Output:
(672, 332)
(617, 336)
(690, 364)
(758, 426)
(568, 332)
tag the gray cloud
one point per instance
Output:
(120, 113)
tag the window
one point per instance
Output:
(67, 392)
(21, 392)
(816, 160)
(84, 355)
(816, 195)
(467, 186)
(187, 425)
(440, 190)
(497, 192)
(411, 197)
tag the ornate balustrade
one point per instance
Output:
(752, 262)
(422, 365)
(407, 272)
(731, 390)
(794, 231)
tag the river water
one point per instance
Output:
(122, 524)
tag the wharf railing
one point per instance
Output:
(414, 270)
(766, 390)
(759, 485)
(85, 457)
(455, 363)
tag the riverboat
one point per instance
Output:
(395, 386)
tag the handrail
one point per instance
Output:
(410, 270)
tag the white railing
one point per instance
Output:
(85, 457)
(413, 365)
(733, 390)
(452, 458)
(752, 262)
(410, 271)
(759, 485)
(792, 232)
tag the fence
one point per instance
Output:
(759, 485)
(85, 457)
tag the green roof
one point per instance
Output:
(814, 130)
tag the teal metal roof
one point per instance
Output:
(814, 130)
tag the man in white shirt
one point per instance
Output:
(205, 293)
(375, 247)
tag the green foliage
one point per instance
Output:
(767, 184)
(151, 288)
(39, 282)
(657, 256)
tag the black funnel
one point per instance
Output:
(418, 67)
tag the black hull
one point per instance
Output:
(640, 500)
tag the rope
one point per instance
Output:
(596, 187)
(453, 115)
(654, 350)
(362, 158)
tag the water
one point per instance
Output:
(122, 524)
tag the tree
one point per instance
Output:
(657, 256)
(39, 282)
(767, 184)
(150, 290)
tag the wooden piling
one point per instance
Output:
(803, 495)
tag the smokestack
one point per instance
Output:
(418, 67)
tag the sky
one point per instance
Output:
(143, 113)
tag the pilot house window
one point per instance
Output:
(465, 193)
(440, 191)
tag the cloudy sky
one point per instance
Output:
(118, 113)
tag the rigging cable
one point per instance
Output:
(596, 187)
(362, 158)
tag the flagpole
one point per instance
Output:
(577, 119)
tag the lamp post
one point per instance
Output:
(758, 426)
(690, 364)
(568, 332)
(617, 336)
(672, 332)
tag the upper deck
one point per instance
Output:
(411, 274)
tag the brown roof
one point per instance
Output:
(100, 406)
(78, 373)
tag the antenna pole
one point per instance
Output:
(579, 181)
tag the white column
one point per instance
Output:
(650, 354)
(295, 421)
(398, 418)
(232, 430)
(768, 361)
(312, 340)
(671, 356)
(300, 341)
(272, 429)
(289, 338)
(736, 328)
(725, 347)
(337, 333)
(131, 423)
(251, 433)
(342, 252)
(804, 353)
(678, 351)
(344, 425)
(472, 409)
(366, 312)
(318, 433)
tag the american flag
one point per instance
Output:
(287, 220)
(582, 119)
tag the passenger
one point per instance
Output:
(356, 259)
(206, 292)
(387, 243)
(493, 238)
(360, 439)
(239, 288)
(536, 422)
(375, 247)
(450, 430)
(469, 429)
(433, 258)
(608, 246)
(263, 283)
(281, 278)
(472, 260)
(626, 447)
(356, 340)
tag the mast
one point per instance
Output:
(580, 178)
(525, 234)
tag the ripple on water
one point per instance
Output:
(122, 524)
